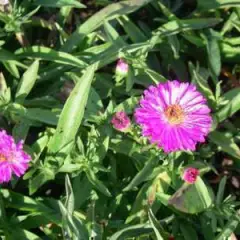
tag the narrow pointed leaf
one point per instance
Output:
(72, 113)
(226, 143)
(59, 3)
(143, 174)
(27, 82)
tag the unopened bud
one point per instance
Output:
(121, 121)
(122, 68)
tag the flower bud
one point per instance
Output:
(121, 121)
(122, 68)
(190, 175)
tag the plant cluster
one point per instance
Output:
(119, 119)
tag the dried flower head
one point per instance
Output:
(190, 175)
(121, 121)
(174, 115)
(12, 158)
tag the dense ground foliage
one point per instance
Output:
(92, 173)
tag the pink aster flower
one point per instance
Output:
(12, 158)
(121, 68)
(174, 115)
(190, 175)
(121, 121)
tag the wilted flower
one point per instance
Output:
(12, 158)
(121, 68)
(121, 121)
(174, 115)
(190, 175)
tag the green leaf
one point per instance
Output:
(43, 102)
(228, 24)
(94, 106)
(42, 115)
(59, 3)
(73, 227)
(204, 5)
(143, 174)
(97, 183)
(81, 194)
(213, 50)
(137, 210)
(112, 54)
(130, 79)
(20, 130)
(69, 202)
(18, 112)
(226, 143)
(156, 77)
(176, 26)
(5, 92)
(163, 198)
(6, 55)
(37, 181)
(231, 99)
(49, 54)
(128, 105)
(27, 82)
(129, 148)
(12, 68)
(135, 34)
(113, 36)
(158, 229)
(188, 231)
(132, 231)
(230, 53)
(110, 12)
(72, 113)
(3, 219)
(21, 234)
(206, 227)
(192, 198)
(221, 189)
(229, 228)
(202, 84)
(25, 203)
(175, 45)
(160, 184)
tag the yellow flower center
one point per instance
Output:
(2, 158)
(174, 114)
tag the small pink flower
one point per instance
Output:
(190, 175)
(12, 158)
(121, 121)
(122, 68)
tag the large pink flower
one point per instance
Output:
(174, 115)
(12, 158)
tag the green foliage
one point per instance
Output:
(59, 90)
